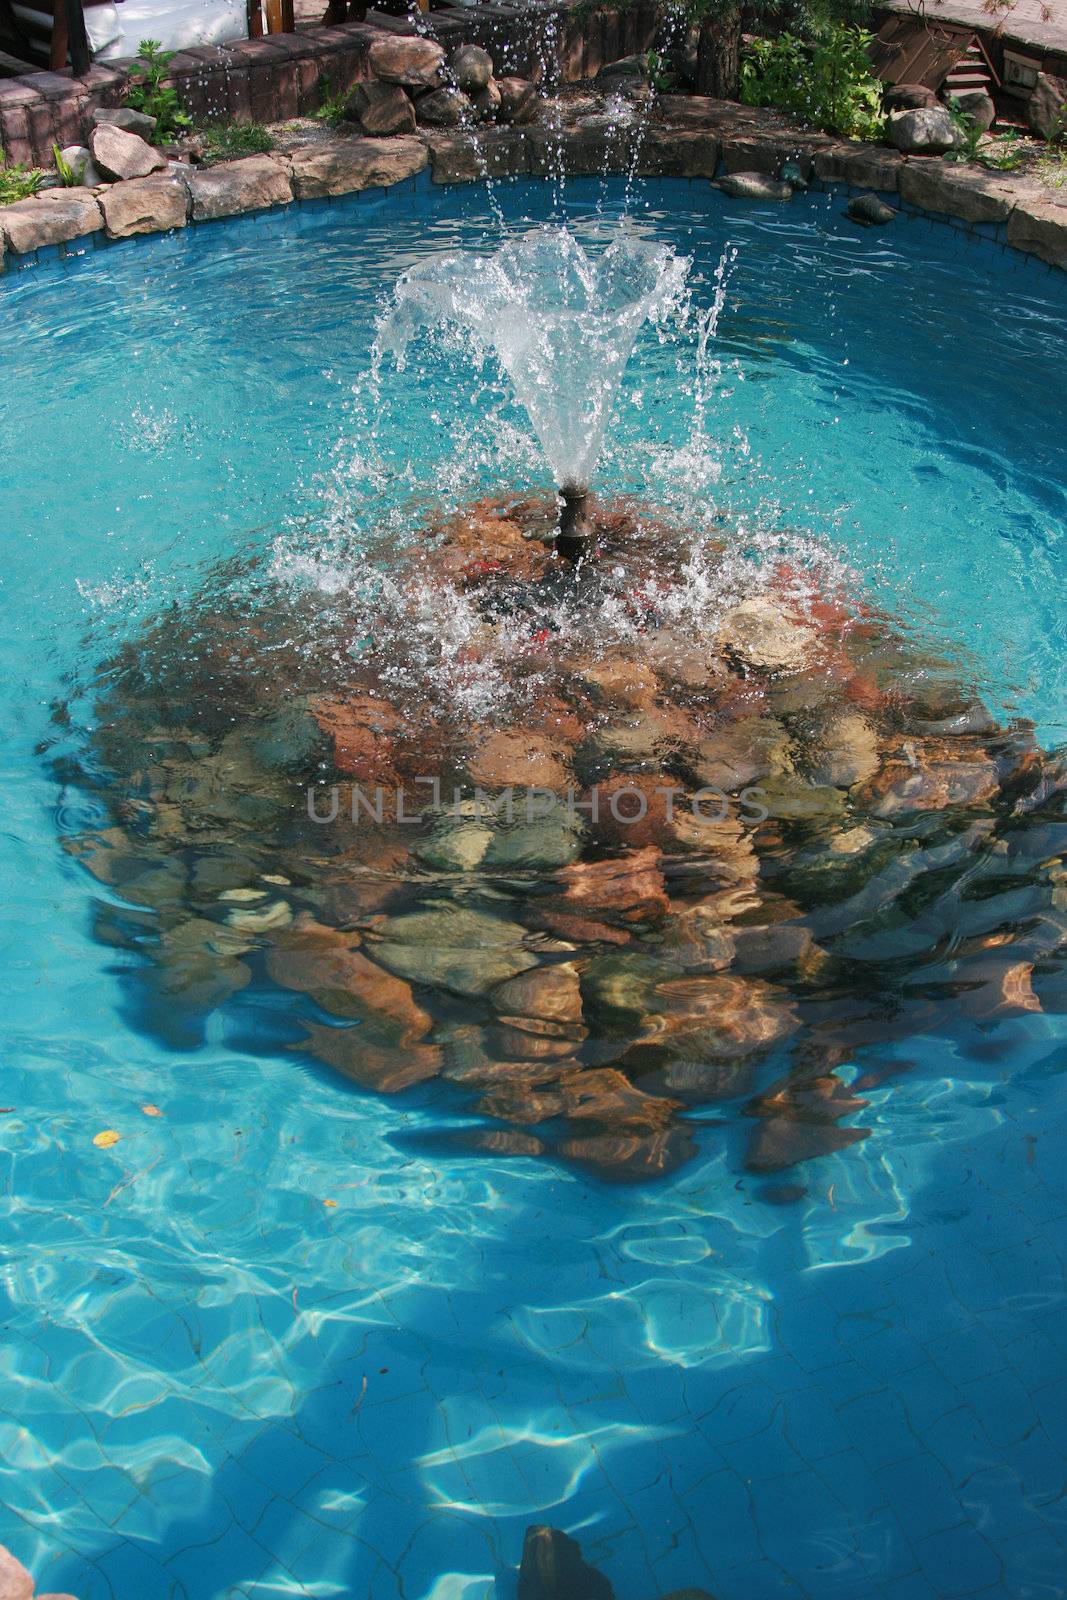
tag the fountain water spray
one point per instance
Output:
(561, 322)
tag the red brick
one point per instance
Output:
(15, 126)
(284, 85)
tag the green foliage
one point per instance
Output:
(154, 97)
(17, 183)
(229, 140)
(825, 79)
(333, 107)
(70, 176)
(656, 71)
(968, 134)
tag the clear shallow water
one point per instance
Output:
(218, 1384)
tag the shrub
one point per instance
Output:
(825, 80)
(154, 97)
(228, 141)
(17, 183)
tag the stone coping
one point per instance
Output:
(690, 137)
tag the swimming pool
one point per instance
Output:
(267, 1342)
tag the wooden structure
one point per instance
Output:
(44, 32)
(939, 55)
(270, 16)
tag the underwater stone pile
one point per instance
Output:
(596, 860)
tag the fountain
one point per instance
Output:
(562, 324)
(601, 854)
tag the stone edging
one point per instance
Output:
(699, 139)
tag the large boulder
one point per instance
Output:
(252, 184)
(977, 104)
(415, 63)
(627, 67)
(351, 164)
(145, 205)
(381, 108)
(1046, 109)
(124, 117)
(50, 218)
(118, 154)
(472, 68)
(443, 108)
(908, 97)
(928, 131)
(518, 100)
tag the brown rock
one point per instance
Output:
(632, 1154)
(361, 729)
(677, 153)
(381, 108)
(415, 63)
(442, 108)
(145, 205)
(510, 758)
(764, 635)
(1038, 227)
(850, 752)
(492, 152)
(472, 68)
(908, 97)
(619, 680)
(119, 154)
(969, 193)
(600, 1094)
(712, 1016)
(740, 754)
(519, 100)
(551, 993)
(49, 218)
(361, 1054)
(251, 184)
(327, 965)
(865, 166)
(927, 776)
(630, 887)
(1046, 109)
(344, 167)
(781, 1142)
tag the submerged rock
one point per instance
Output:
(691, 847)
(754, 186)
(553, 1568)
(869, 211)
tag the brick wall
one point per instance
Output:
(288, 74)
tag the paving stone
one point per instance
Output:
(54, 217)
(353, 164)
(251, 184)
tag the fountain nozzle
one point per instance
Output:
(574, 536)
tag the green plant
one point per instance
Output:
(155, 98)
(17, 183)
(70, 176)
(655, 70)
(333, 107)
(226, 141)
(826, 79)
(968, 134)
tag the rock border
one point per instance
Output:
(698, 138)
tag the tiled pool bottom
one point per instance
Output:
(258, 1347)
(857, 1395)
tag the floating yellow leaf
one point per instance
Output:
(329, 1202)
(151, 1111)
(106, 1139)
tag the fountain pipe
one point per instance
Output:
(574, 536)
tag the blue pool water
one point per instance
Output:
(215, 1384)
